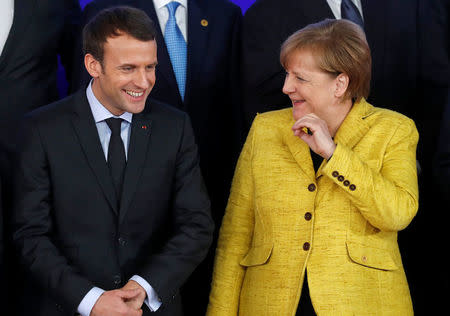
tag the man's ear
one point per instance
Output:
(93, 66)
(342, 82)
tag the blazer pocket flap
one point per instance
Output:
(257, 255)
(370, 256)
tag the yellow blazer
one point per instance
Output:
(340, 224)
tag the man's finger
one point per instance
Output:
(128, 293)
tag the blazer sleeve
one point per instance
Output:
(33, 227)
(234, 238)
(167, 270)
(387, 198)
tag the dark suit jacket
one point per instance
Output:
(391, 30)
(28, 64)
(70, 233)
(442, 166)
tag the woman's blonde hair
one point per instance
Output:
(339, 46)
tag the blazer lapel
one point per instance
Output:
(164, 68)
(23, 10)
(350, 132)
(299, 150)
(84, 125)
(354, 127)
(137, 155)
(197, 40)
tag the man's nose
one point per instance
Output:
(141, 79)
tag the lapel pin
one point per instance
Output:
(204, 22)
(144, 126)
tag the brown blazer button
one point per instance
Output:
(346, 183)
(312, 187)
(308, 216)
(352, 187)
(306, 246)
(341, 178)
(335, 174)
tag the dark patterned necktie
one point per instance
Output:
(116, 155)
(350, 12)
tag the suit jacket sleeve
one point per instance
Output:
(235, 237)
(388, 197)
(80, 77)
(67, 44)
(442, 164)
(33, 227)
(192, 228)
(263, 76)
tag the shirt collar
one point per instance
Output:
(162, 3)
(99, 112)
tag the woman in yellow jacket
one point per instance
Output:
(319, 193)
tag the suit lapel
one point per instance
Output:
(84, 126)
(137, 155)
(164, 68)
(318, 11)
(198, 31)
(23, 10)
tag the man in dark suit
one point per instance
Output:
(436, 91)
(32, 35)
(111, 214)
(211, 31)
(39, 32)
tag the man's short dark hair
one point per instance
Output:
(114, 22)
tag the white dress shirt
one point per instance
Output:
(180, 15)
(335, 6)
(100, 114)
(6, 20)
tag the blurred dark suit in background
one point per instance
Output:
(40, 31)
(436, 92)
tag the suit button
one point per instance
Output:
(308, 216)
(122, 241)
(117, 280)
(346, 183)
(312, 187)
(306, 246)
(352, 187)
(341, 178)
(335, 174)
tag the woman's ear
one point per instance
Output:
(342, 82)
(93, 66)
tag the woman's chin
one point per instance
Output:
(298, 113)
